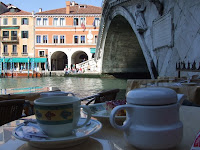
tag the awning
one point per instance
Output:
(19, 60)
(92, 50)
(6, 59)
(25, 60)
(39, 60)
(9, 27)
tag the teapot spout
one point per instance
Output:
(181, 97)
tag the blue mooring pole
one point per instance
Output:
(28, 66)
(0, 66)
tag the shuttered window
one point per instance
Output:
(76, 39)
(24, 49)
(14, 21)
(24, 21)
(5, 21)
(24, 34)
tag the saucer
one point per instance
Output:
(79, 136)
(99, 111)
(189, 83)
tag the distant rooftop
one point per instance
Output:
(20, 12)
(74, 8)
(3, 4)
(13, 10)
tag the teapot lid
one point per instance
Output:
(152, 96)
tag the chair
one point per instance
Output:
(10, 110)
(102, 96)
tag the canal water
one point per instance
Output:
(81, 87)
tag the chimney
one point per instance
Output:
(40, 9)
(67, 7)
(33, 13)
(73, 3)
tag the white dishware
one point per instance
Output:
(99, 111)
(79, 136)
(55, 93)
(152, 118)
(189, 84)
(58, 115)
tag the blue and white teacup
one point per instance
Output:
(58, 116)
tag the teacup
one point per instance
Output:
(58, 116)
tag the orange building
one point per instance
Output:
(66, 36)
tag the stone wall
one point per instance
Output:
(185, 35)
(170, 36)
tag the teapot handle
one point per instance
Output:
(181, 97)
(126, 123)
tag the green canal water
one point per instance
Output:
(81, 87)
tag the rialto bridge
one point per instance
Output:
(147, 37)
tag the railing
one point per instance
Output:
(24, 54)
(9, 39)
(5, 54)
(189, 67)
(14, 54)
(23, 90)
(87, 65)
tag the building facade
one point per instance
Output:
(16, 38)
(66, 36)
(47, 40)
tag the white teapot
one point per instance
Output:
(152, 118)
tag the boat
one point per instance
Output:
(21, 74)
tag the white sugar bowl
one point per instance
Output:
(152, 118)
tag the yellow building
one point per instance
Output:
(16, 39)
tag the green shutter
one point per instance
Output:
(22, 21)
(22, 34)
(27, 34)
(27, 21)
(5, 21)
(14, 21)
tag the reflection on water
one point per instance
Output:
(81, 87)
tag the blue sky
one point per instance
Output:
(34, 5)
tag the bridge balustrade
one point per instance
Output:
(87, 65)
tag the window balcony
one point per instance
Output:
(24, 54)
(10, 39)
(14, 54)
(5, 54)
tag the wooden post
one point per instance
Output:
(179, 73)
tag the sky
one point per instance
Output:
(34, 5)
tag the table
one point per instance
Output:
(109, 138)
(192, 92)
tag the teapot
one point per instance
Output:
(152, 118)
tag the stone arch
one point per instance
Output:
(130, 20)
(58, 60)
(78, 56)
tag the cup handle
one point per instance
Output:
(86, 109)
(70, 93)
(127, 122)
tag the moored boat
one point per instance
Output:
(21, 74)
